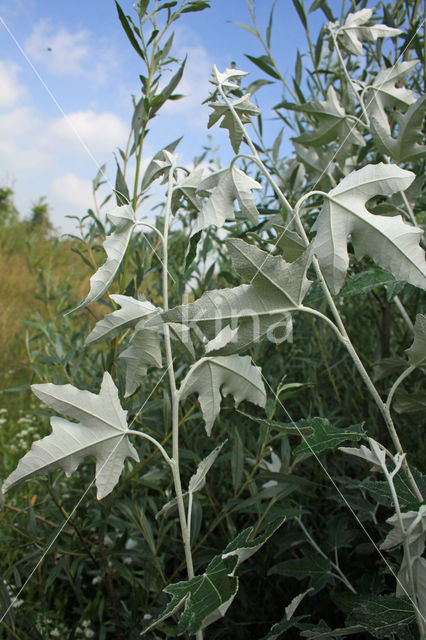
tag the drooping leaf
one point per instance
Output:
(101, 431)
(416, 354)
(392, 243)
(143, 351)
(265, 63)
(156, 166)
(226, 186)
(382, 615)
(385, 94)
(187, 189)
(198, 480)
(375, 455)
(366, 281)
(228, 374)
(324, 437)
(408, 145)
(353, 33)
(112, 324)
(290, 428)
(121, 189)
(333, 122)
(258, 310)
(207, 597)
(245, 110)
(115, 245)
(129, 32)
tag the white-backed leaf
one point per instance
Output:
(101, 432)
(408, 145)
(187, 189)
(182, 333)
(198, 480)
(226, 186)
(291, 608)
(392, 243)
(375, 455)
(227, 374)
(258, 310)
(225, 79)
(207, 597)
(115, 245)
(384, 92)
(131, 312)
(416, 354)
(353, 33)
(158, 164)
(143, 351)
(245, 110)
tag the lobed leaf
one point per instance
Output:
(416, 354)
(132, 310)
(101, 431)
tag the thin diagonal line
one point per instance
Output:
(68, 121)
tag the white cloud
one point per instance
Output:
(64, 52)
(61, 51)
(72, 194)
(11, 90)
(100, 132)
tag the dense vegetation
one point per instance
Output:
(341, 364)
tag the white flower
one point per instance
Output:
(55, 633)
(85, 623)
(96, 580)
(89, 633)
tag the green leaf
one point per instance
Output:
(101, 431)
(270, 23)
(353, 33)
(323, 5)
(246, 27)
(264, 63)
(143, 351)
(416, 354)
(325, 437)
(301, 11)
(115, 245)
(237, 461)
(407, 146)
(121, 189)
(229, 374)
(290, 428)
(168, 90)
(409, 402)
(382, 615)
(129, 32)
(206, 598)
(392, 243)
(312, 566)
(198, 480)
(192, 250)
(196, 6)
(366, 281)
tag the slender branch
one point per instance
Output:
(161, 449)
(396, 384)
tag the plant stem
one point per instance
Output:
(174, 396)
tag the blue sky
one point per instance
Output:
(67, 73)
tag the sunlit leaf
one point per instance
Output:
(408, 145)
(324, 437)
(353, 32)
(386, 92)
(132, 310)
(221, 111)
(382, 615)
(214, 377)
(115, 246)
(143, 351)
(391, 242)
(198, 480)
(101, 431)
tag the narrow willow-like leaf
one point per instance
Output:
(206, 598)
(417, 352)
(392, 243)
(100, 432)
(228, 374)
(301, 427)
(198, 480)
(353, 32)
(115, 246)
(112, 324)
